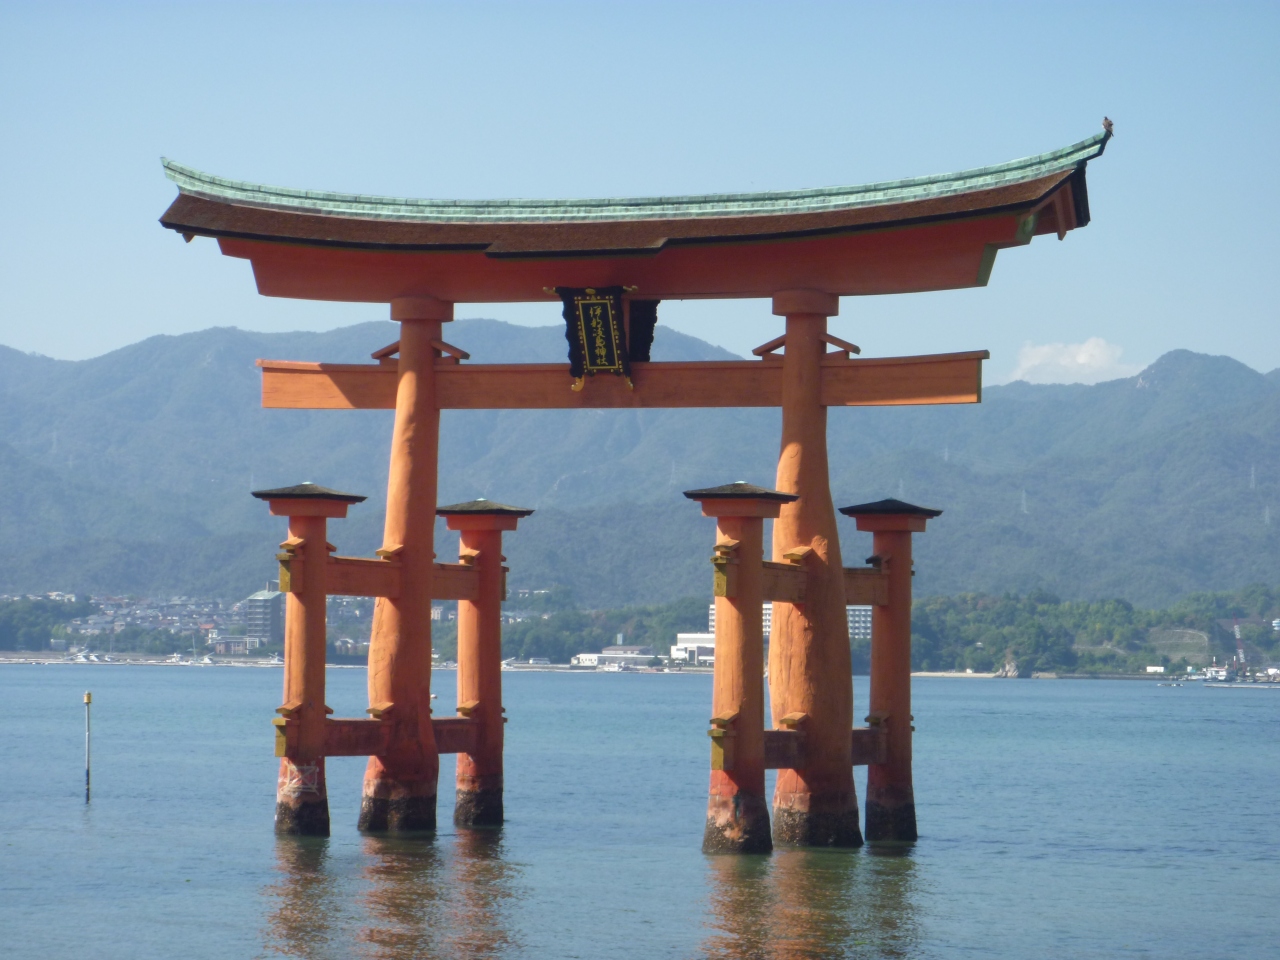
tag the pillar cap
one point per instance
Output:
(740, 490)
(481, 506)
(308, 500)
(740, 499)
(891, 514)
(789, 303)
(482, 514)
(890, 506)
(308, 491)
(421, 308)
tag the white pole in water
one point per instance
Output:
(88, 699)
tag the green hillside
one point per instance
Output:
(130, 472)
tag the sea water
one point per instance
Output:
(1057, 819)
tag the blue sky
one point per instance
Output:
(483, 99)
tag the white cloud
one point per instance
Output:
(1093, 361)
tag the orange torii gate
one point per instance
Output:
(803, 250)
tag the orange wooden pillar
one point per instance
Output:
(302, 799)
(810, 675)
(737, 811)
(481, 523)
(891, 803)
(400, 786)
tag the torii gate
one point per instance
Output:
(802, 249)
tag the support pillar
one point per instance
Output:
(810, 674)
(891, 803)
(737, 811)
(479, 782)
(302, 799)
(400, 786)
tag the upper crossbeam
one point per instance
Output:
(884, 381)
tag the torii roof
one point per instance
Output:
(321, 245)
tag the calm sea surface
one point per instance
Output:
(1057, 818)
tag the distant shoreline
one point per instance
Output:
(36, 660)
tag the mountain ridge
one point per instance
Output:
(130, 472)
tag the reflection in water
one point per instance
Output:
(406, 900)
(484, 882)
(306, 900)
(801, 904)
(445, 898)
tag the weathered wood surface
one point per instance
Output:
(865, 587)
(371, 738)
(883, 381)
(361, 577)
(783, 581)
(784, 749)
(455, 581)
(455, 734)
(869, 746)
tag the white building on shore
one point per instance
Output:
(859, 620)
(695, 649)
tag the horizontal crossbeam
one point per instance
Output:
(865, 587)
(783, 581)
(785, 749)
(362, 577)
(372, 738)
(884, 381)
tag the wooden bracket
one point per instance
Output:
(387, 354)
(766, 350)
(797, 554)
(723, 737)
(794, 721)
(291, 565)
(725, 566)
(290, 710)
(841, 346)
(468, 708)
(448, 348)
(725, 721)
(283, 728)
(380, 711)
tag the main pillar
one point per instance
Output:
(481, 523)
(810, 673)
(400, 786)
(302, 798)
(891, 802)
(737, 811)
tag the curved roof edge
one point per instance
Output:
(195, 183)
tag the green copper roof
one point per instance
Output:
(205, 185)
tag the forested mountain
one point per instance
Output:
(130, 472)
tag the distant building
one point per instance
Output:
(585, 660)
(695, 649)
(626, 656)
(1155, 669)
(230, 645)
(264, 617)
(858, 618)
